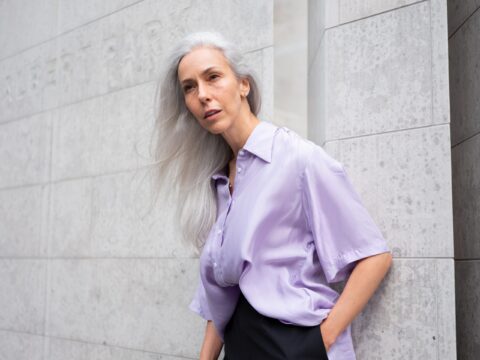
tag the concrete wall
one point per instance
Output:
(85, 271)
(378, 100)
(464, 54)
(290, 53)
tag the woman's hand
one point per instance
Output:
(361, 285)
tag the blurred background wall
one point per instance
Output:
(87, 272)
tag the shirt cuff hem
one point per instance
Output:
(346, 263)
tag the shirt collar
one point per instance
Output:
(259, 143)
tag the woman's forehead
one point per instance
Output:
(200, 60)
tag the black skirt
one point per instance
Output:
(250, 335)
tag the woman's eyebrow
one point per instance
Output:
(203, 72)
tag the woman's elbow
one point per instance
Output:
(388, 260)
(384, 260)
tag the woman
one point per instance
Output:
(275, 218)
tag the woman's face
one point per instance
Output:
(208, 83)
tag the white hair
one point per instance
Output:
(186, 155)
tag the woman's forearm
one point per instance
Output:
(212, 343)
(361, 285)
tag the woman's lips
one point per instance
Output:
(213, 115)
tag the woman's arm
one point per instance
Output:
(212, 343)
(362, 283)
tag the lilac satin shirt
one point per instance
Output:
(293, 224)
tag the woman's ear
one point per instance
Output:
(244, 87)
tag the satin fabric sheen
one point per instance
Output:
(293, 225)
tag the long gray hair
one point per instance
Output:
(186, 155)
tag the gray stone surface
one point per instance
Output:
(410, 316)
(379, 103)
(25, 23)
(348, 10)
(102, 135)
(262, 60)
(47, 19)
(23, 215)
(61, 349)
(21, 346)
(135, 303)
(466, 198)
(88, 273)
(465, 79)
(439, 54)
(379, 72)
(290, 64)
(404, 179)
(73, 14)
(25, 148)
(458, 12)
(317, 95)
(464, 61)
(333, 13)
(391, 75)
(316, 27)
(89, 269)
(22, 299)
(467, 275)
(110, 215)
(121, 50)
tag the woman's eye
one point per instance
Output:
(188, 87)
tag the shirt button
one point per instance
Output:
(239, 169)
(219, 231)
(241, 152)
(215, 264)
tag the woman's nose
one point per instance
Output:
(202, 91)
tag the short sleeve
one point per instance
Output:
(342, 228)
(199, 303)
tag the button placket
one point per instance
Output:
(308, 245)
(217, 260)
(215, 263)
(240, 167)
(220, 231)
(215, 256)
(231, 198)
